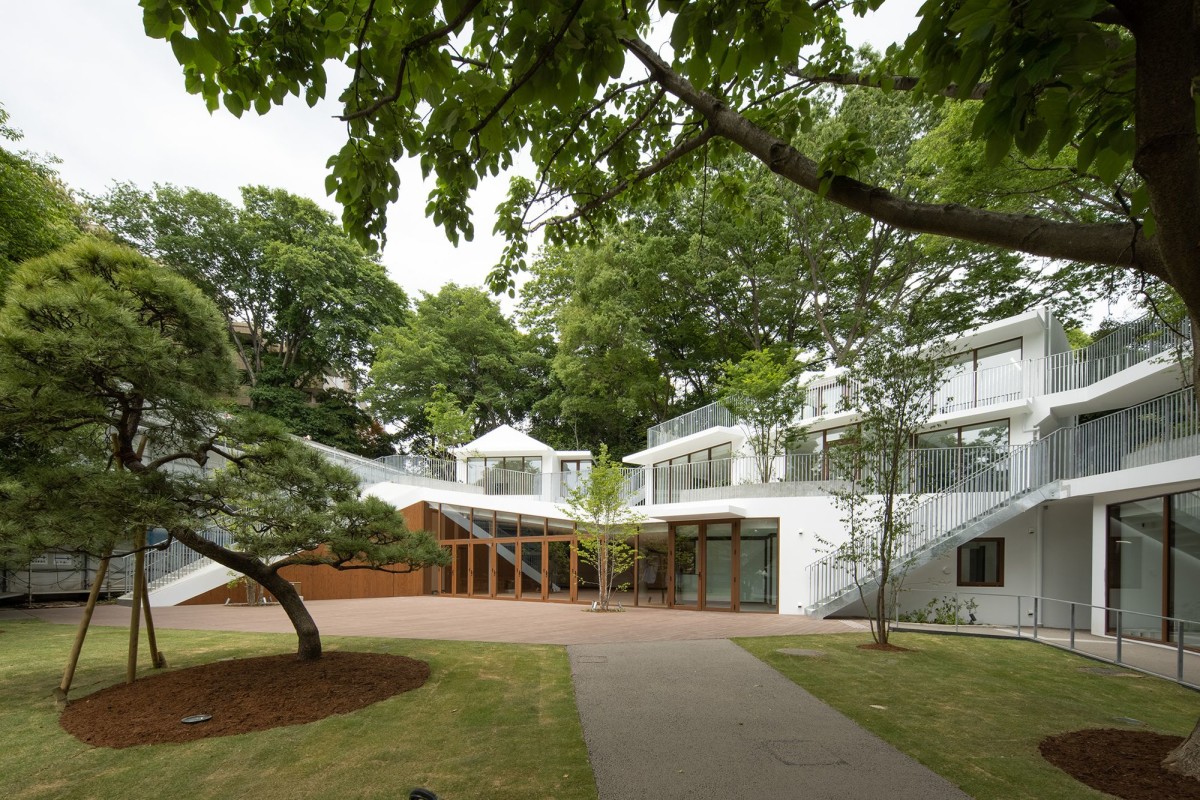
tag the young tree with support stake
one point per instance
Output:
(896, 383)
(112, 370)
(605, 524)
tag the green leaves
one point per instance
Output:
(844, 156)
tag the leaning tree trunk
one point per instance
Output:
(309, 638)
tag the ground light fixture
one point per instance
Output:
(196, 718)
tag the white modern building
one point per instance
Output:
(1052, 483)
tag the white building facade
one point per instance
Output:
(1053, 484)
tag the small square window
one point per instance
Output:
(981, 563)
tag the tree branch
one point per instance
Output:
(674, 154)
(900, 83)
(1114, 244)
(437, 33)
(542, 58)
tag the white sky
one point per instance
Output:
(83, 82)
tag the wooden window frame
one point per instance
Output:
(999, 582)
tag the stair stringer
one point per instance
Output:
(964, 533)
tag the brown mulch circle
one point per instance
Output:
(242, 695)
(886, 648)
(1124, 763)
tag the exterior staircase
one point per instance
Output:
(1159, 430)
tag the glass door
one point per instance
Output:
(461, 573)
(720, 567)
(531, 581)
(686, 566)
(559, 578)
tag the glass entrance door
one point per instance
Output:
(686, 566)
(720, 567)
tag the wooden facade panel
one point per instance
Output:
(326, 583)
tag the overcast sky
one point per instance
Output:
(83, 82)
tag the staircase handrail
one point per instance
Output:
(1067, 453)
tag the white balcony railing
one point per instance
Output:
(1127, 346)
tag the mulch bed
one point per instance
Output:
(886, 648)
(1125, 763)
(242, 695)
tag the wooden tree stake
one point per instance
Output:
(60, 693)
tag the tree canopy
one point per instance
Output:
(602, 112)
(299, 296)
(37, 212)
(460, 340)
(112, 371)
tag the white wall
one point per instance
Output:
(1066, 561)
(996, 605)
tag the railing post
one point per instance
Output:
(1035, 615)
(1018, 616)
(1072, 625)
(1179, 650)
(1118, 636)
(956, 612)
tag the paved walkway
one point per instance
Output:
(705, 719)
(464, 619)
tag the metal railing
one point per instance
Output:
(441, 469)
(1168, 652)
(1127, 346)
(175, 562)
(511, 482)
(368, 470)
(1159, 430)
(926, 470)
(712, 415)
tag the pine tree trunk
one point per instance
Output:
(309, 638)
(1185, 759)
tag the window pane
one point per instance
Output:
(506, 569)
(998, 354)
(482, 524)
(987, 434)
(1185, 569)
(456, 522)
(981, 563)
(1135, 555)
(686, 556)
(938, 439)
(532, 526)
(759, 561)
(506, 525)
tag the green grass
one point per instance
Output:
(493, 721)
(974, 709)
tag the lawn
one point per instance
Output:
(974, 709)
(495, 721)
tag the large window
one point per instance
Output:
(809, 461)
(730, 565)
(947, 455)
(981, 563)
(982, 376)
(1153, 571)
